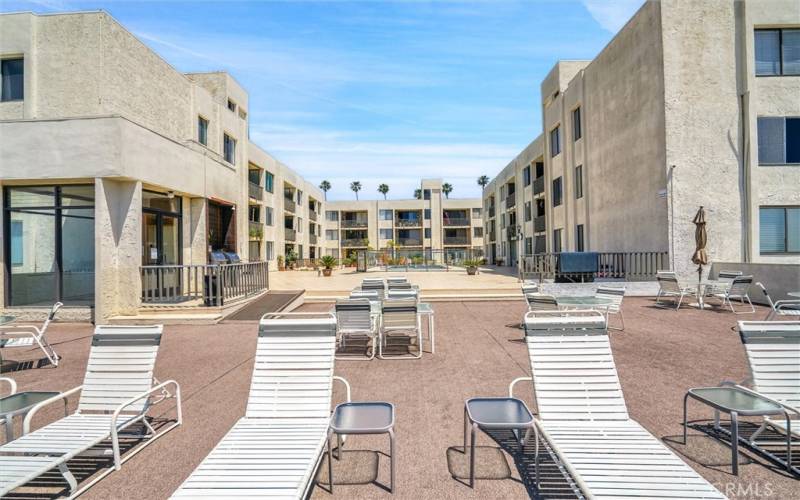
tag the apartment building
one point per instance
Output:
(433, 225)
(691, 104)
(112, 161)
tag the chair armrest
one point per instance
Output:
(26, 424)
(18, 329)
(346, 385)
(159, 387)
(12, 383)
(514, 382)
(791, 303)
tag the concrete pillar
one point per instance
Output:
(195, 249)
(2, 254)
(118, 248)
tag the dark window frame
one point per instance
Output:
(202, 130)
(580, 238)
(577, 125)
(557, 243)
(555, 141)
(3, 98)
(526, 176)
(579, 182)
(785, 120)
(558, 195)
(229, 139)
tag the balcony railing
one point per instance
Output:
(491, 212)
(289, 234)
(256, 230)
(312, 238)
(492, 236)
(538, 186)
(255, 191)
(354, 242)
(354, 223)
(456, 240)
(628, 266)
(289, 205)
(312, 215)
(408, 222)
(210, 283)
(539, 224)
(409, 242)
(456, 221)
(511, 200)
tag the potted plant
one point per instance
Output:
(255, 233)
(472, 266)
(291, 259)
(281, 266)
(327, 262)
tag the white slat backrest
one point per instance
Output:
(740, 286)
(353, 315)
(371, 295)
(614, 294)
(668, 283)
(574, 376)
(399, 314)
(773, 351)
(541, 302)
(377, 285)
(403, 294)
(293, 373)
(728, 275)
(396, 279)
(121, 363)
(529, 288)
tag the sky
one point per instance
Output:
(377, 91)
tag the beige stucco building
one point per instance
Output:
(679, 110)
(431, 226)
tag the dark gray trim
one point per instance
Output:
(126, 339)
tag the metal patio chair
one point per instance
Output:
(738, 290)
(354, 318)
(787, 308)
(26, 335)
(399, 319)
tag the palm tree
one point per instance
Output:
(418, 194)
(383, 189)
(355, 187)
(325, 187)
(447, 188)
(482, 182)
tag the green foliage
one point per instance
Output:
(327, 261)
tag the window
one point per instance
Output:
(555, 142)
(576, 124)
(270, 250)
(254, 251)
(528, 211)
(779, 230)
(269, 182)
(526, 176)
(427, 232)
(778, 140)
(557, 240)
(539, 169)
(299, 225)
(268, 216)
(254, 213)
(229, 149)
(202, 131)
(579, 182)
(385, 214)
(299, 197)
(777, 52)
(557, 191)
(331, 234)
(528, 246)
(579, 243)
(386, 234)
(426, 194)
(331, 215)
(477, 232)
(13, 79)
(427, 214)
(17, 252)
(476, 213)
(231, 105)
(242, 114)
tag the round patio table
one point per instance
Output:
(588, 302)
(7, 318)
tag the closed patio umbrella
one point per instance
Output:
(700, 239)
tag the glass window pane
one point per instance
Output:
(772, 230)
(770, 140)
(791, 52)
(161, 201)
(77, 196)
(77, 255)
(13, 82)
(768, 53)
(34, 196)
(793, 140)
(793, 229)
(33, 258)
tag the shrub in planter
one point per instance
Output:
(327, 262)
(472, 266)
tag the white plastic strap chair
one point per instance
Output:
(668, 286)
(615, 295)
(787, 309)
(541, 302)
(739, 290)
(377, 286)
(275, 449)
(354, 318)
(117, 392)
(583, 416)
(27, 335)
(399, 317)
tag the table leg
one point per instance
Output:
(391, 460)
(685, 400)
(9, 428)
(466, 430)
(788, 442)
(735, 442)
(472, 456)
(432, 332)
(330, 460)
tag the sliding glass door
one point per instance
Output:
(161, 241)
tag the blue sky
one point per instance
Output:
(378, 91)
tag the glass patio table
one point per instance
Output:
(7, 318)
(583, 302)
(20, 404)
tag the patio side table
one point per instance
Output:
(497, 413)
(362, 417)
(426, 309)
(735, 402)
(20, 404)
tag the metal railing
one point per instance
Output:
(456, 240)
(511, 200)
(538, 186)
(409, 242)
(492, 236)
(289, 205)
(406, 259)
(408, 222)
(539, 224)
(255, 191)
(354, 242)
(256, 230)
(312, 215)
(211, 283)
(627, 266)
(289, 234)
(312, 238)
(456, 221)
(491, 212)
(354, 223)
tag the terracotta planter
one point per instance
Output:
(472, 270)
(327, 271)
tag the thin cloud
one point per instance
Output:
(612, 14)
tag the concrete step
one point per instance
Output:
(169, 318)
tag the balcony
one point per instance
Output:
(256, 230)
(255, 191)
(511, 200)
(350, 223)
(289, 234)
(539, 224)
(456, 240)
(492, 236)
(491, 211)
(289, 205)
(354, 242)
(312, 215)
(409, 242)
(538, 186)
(408, 222)
(456, 221)
(312, 239)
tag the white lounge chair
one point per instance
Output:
(117, 392)
(354, 318)
(738, 290)
(787, 308)
(370, 295)
(668, 286)
(372, 284)
(541, 302)
(399, 317)
(26, 335)
(615, 295)
(275, 449)
(583, 416)
(410, 293)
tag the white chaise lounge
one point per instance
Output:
(117, 392)
(275, 449)
(583, 416)
(19, 335)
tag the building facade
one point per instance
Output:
(430, 226)
(691, 104)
